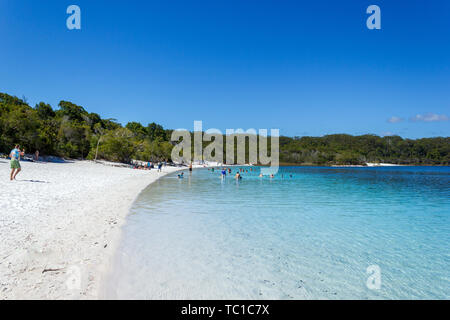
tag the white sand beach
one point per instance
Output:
(371, 164)
(60, 224)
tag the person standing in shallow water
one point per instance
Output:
(15, 158)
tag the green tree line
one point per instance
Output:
(347, 149)
(71, 132)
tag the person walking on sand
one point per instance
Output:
(15, 164)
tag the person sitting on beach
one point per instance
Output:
(15, 164)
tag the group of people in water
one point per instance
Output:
(238, 176)
(224, 172)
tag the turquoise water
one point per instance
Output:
(309, 236)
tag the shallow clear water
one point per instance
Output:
(309, 236)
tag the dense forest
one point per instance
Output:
(72, 132)
(347, 149)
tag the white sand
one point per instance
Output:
(369, 164)
(65, 219)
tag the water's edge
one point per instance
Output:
(107, 267)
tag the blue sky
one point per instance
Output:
(307, 68)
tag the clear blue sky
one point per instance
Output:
(309, 68)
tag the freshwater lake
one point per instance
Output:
(308, 233)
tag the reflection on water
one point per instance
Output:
(309, 233)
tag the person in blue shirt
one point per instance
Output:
(15, 164)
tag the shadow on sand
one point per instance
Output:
(35, 181)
